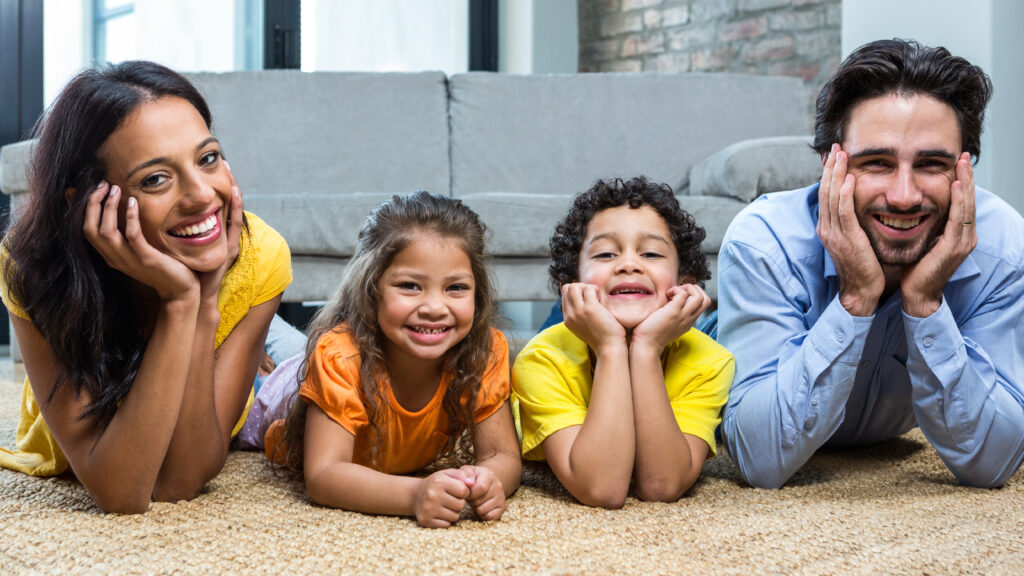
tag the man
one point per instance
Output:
(890, 294)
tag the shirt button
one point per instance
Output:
(928, 341)
(840, 337)
(814, 401)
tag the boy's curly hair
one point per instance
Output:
(567, 241)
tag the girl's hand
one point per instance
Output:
(129, 252)
(486, 494)
(440, 498)
(685, 304)
(211, 281)
(587, 318)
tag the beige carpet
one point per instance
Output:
(890, 508)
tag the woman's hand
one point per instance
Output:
(129, 252)
(211, 281)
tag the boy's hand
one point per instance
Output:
(486, 494)
(685, 304)
(440, 498)
(587, 318)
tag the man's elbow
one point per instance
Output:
(980, 478)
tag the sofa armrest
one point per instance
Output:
(749, 168)
(14, 163)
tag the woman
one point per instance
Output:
(139, 292)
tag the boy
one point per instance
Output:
(624, 388)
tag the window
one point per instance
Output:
(114, 30)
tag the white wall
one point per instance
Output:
(388, 35)
(986, 32)
(186, 35)
(537, 36)
(67, 44)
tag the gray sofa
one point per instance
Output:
(315, 152)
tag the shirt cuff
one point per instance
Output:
(838, 335)
(937, 337)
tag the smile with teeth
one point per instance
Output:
(196, 229)
(619, 291)
(900, 223)
(431, 331)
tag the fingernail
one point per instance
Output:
(227, 165)
(115, 190)
(101, 184)
(131, 202)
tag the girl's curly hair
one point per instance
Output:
(567, 241)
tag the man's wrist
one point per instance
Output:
(858, 305)
(921, 307)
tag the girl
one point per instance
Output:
(139, 292)
(403, 370)
(625, 389)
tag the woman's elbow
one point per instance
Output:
(186, 485)
(121, 503)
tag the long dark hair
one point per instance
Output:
(353, 309)
(81, 306)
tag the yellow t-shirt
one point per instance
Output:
(552, 379)
(262, 271)
(410, 441)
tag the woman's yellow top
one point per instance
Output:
(262, 271)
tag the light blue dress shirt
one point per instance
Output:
(809, 374)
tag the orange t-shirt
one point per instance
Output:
(411, 440)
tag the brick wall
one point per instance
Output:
(772, 37)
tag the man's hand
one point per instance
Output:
(922, 283)
(861, 279)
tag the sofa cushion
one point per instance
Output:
(14, 166)
(747, 169)
(557, 134)
(286, 131)
(316, 224)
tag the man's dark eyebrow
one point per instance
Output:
(937, 153)
(874, 152)
(162, 159)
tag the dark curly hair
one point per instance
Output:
(567, 241)
(903, 67)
